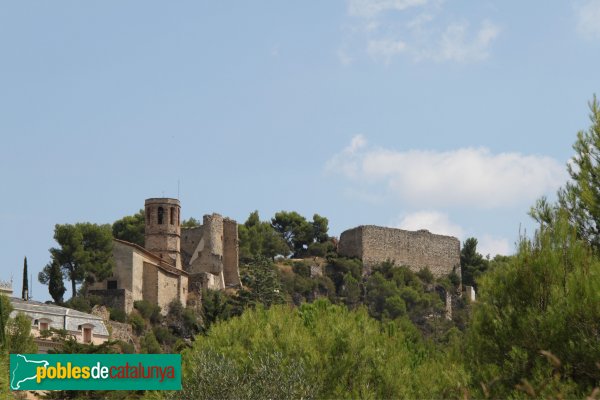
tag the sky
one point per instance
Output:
(452, 116)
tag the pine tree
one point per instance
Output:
(581, 196)
(25, 291)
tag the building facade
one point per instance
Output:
(85, 328)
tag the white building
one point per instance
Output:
(85, 328)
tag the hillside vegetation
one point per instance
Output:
(308, 324)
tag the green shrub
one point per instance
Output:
(116, 314)
(126, 348)
(319, 249)
(191, 322)
(425, 275)
(149, 344)
(301, 268)
(338, 267)
(175, 309)
(137, 323)
(163, 335)
(148, 310)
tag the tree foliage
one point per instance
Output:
(315, 351)
(5, 310)
(298, 233)
(25, 286)
(259, 239)
(18, 336)
(190, 223)
(393, 292)
(581, 195)
(130, 228)
(546, 298)
(261, 285)
(85, 253)
(56, 285)
(216, 306)
(472, 264)
(150, 344)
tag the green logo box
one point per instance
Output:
(95, 372)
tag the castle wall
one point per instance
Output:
(417, 250)
(208, 256)
(350, 244)
(231, 272)
(190, 242)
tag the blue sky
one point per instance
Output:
(448, 115)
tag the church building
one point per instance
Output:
(160, 272)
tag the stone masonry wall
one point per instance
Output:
(169, 290)
(151, 284)
(190, 239)
(350, 244)
(230, 253)
(417, 250)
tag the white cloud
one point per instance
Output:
(470, 177)
(339, 164)
(456, 46)
(588, 19)
(492, 245)
(357, 143)
(419, 30)
(385, 49)
(371, 8)
(433, 221)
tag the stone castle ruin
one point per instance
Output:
(175, 263)
(416, 250)
(210, 253)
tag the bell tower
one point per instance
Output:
(163, 230)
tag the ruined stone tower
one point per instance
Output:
(163, 231)
(210, 253)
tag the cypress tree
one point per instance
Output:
(25, 291)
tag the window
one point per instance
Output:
(172, 221)
(161, 213)
(87, 335)
(43, 326)
(111, 285)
